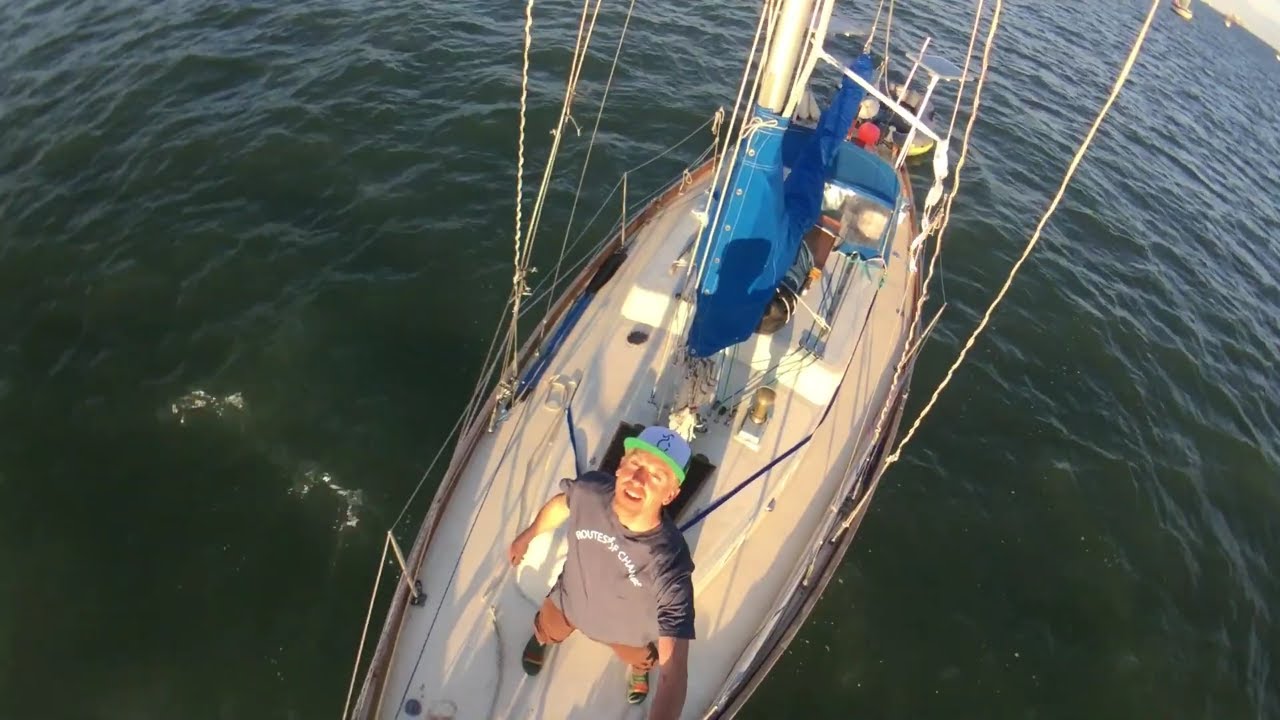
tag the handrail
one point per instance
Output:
(911, 117)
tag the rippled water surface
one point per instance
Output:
(251, 255)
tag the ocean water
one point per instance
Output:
(251, 256)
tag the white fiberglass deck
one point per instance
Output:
(464, 643)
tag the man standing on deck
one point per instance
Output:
(627, 580)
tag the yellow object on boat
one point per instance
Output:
(920, 147)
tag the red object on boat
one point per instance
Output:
(868, 135)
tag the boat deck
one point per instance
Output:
(463, 644)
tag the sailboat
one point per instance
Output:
(1182, 7)
(767, 305)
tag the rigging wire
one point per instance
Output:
(524, 98)
(988, 45)
(573, 209)
(1120, 81)
(521, 271)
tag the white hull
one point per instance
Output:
(464, 643)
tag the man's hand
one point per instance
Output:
(519, 547)
(673, 678)
(551, 516)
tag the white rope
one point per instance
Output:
(517, 271)
(888, 32)
(364, 633)
(964, 71)
(1035, 236)
(875, 25)
(521, 271)
(816, 317)
(571, 86)
(907, 352)
(582, 177)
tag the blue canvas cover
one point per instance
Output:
(866, 174)
(764, 220)
(852, 167)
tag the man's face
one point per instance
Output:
(645, 482)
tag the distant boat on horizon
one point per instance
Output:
(1231, 20)
(1182, 7)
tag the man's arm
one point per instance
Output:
(551, 516)
(673, 678)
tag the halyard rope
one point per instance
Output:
(524, 250)
(573, 209)
(875, 25)
(888, 31)
(368, 616)
(517, 271)
(1122, 77)
(955, 186)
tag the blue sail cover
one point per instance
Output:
(764, 220)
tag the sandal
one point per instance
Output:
(534, 653)
(637, 685)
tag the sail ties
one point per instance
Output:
(933, 221)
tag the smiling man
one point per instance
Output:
(627, 580)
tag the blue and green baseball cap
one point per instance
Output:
(664, 443)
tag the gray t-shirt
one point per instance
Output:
(618, 586)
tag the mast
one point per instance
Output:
(784, 53)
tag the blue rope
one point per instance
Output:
(727, 496)
(573, 439)
(702, 514)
